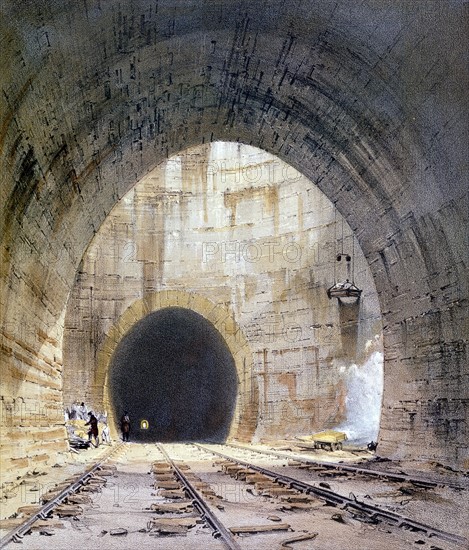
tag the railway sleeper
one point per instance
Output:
(166, 485)
(164, 477)
(94, 483)
(168, 530)
(242, 474)
(187, 522)
(78, 499)
(263, 485)
(293, 506)
(333, 473)
(95, 478)
(27, 510)
(178, 494)
(278, 491)
(68, 510)
(172, 507)
(247, 529)
(107, 470)
(210, 494)
(232, 469)
(50, 495)
(299, 498)
(161, 471)
(12, 523)
(172, 526)
(92, 488)
(258, 478)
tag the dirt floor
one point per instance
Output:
(119, 514)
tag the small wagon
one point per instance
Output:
(328, 439)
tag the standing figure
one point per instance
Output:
(73, 412)
(125, 426)
(106, 435)
(93, 431)
(82, 411)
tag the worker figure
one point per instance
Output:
(82, 411)
(73, 412)
(106, 435)
(125, 426)
(93, 431)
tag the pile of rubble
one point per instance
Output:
(77, 434)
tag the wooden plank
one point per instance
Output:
(164, 477)
(172, 507)
(168, 530)
(167, 485)
(173, 525)
(28, 510)
(260, 528)
(276, 491)
(257, 478)
(290, 506)
(172, 494)
(68, 510)
(78, 499)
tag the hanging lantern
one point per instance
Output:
(144, 424)
(344, 290)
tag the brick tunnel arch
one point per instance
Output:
(92, 101)
(244, 418)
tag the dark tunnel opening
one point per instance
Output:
(174, 370)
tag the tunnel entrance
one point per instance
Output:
(174, 370)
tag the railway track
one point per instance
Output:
(214, 499)
(351, 503)
(53, 502)
(332, 466)
(218, 528)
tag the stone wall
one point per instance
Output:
(367, 100)
(246, 231)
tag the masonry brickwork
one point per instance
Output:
(366, 100)
(242, 229)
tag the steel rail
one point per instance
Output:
(219, 530)
(373, 512)
(16, 534)
(390, 476)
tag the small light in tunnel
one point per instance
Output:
(144, 424)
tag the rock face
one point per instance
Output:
(241, 229)
(367, 101)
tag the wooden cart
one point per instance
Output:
(329, 439)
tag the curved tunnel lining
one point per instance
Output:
(175, 376)
(245, 415)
